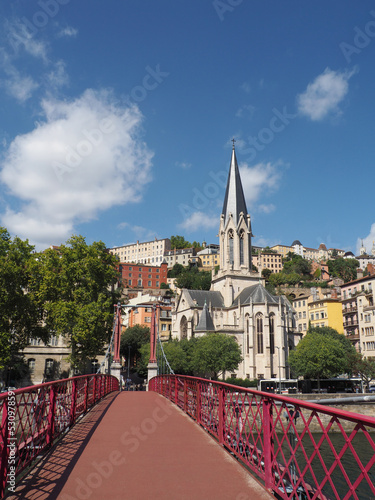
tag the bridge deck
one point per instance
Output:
(137, 445)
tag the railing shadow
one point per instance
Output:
(47, 478)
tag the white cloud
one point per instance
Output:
(184, 165)
(19, 36)
(84, 157)
(266, 209)
(247, 110)
(199, 220)
(68, 31)
(324, 94)
(246, 87)
(18, 86)
(259, 179)
(140, 233)
(58, 76)
(368, 241)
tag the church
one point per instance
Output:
(238, 303)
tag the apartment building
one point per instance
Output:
(268, 260)
(209, 257)
(181, 256)
(149, 252)
(142, 275)
(359, 314)
(326, 312)
(142, 310)
(301, 307)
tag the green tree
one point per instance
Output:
(297, 264)
(134, 338)
(266, 273)
(176, 270)
(345, 269)
(21, 309)
(76, 285)
(319, 355)
(179, 242)
(193, 279)
(363, 367)
(215, 353)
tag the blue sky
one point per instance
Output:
(116, 119)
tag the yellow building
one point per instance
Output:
(326, 312)
(282, 249)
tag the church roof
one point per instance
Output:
(296, 242)
(234, 201)
(201, 297)
(257, 294)
(205, 323)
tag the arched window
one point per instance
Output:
(31, 364)
(242, 238)
(48, 368)
(247, 334)
(272, 333)
(231, 246)
(183, 327)
(259, 331)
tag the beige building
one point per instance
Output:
(301, 308)
(149, 252)
(183, 256)
(209, 257)
(358, 307)
(268, 260)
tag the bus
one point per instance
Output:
(277, 386)
(310, 386)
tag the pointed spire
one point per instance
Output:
(234, 201)
(205, 323)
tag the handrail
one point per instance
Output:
(300, 450)
(32, 418)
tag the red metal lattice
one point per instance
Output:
(33, 417)
(300, 450)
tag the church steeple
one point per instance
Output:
(234, 200)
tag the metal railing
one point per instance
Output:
(32, 418)
(299, 450)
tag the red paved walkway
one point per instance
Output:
(139, 446)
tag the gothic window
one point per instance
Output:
(231, 246)
(242, 237)
(183, 327)
(247, 334)
(272, 333)
(259, 331)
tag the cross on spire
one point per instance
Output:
(233, 140)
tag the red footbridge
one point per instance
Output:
(185, 438)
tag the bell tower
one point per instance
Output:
(235, 240)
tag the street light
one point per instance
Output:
(278, 351)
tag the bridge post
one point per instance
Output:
(116, 363)
(267, 438)
(152, 367)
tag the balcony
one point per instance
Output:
(349, 310)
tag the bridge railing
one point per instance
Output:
(32, 418)
(299, 450)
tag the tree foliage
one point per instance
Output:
(179, 242)
(193, 279)
(215, 353)
(21, 310)
(362, 367)
(75, 283)
(134, 338)
(296, 264)
(346, 269)
(322, 353)
(207, 356)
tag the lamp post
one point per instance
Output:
(278, 351)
